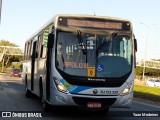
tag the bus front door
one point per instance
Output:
(33, 65)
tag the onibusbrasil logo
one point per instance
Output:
(21, 114)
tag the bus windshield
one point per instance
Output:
(94, 54)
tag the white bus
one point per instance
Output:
(83, 61)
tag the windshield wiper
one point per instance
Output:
(80, 41)
(111, 37)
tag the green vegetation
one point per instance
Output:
(148, 93)
(148, 72)
(143, 92)
(7, 43)
(10, 61)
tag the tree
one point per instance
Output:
(139, 71)
(8, 59)
(7, 43)
(148, 72)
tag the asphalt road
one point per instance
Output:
(12, 98)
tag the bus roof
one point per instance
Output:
(90, 16)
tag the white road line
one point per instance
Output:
(5, 84)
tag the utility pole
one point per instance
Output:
(144, 67)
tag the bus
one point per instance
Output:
(82, 61)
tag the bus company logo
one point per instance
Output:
(96, 79)
(95, 91)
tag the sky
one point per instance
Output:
(21, 18)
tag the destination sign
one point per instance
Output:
(94, 24)
(97, 23)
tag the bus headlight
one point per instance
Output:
(128, 89)
(60, 86)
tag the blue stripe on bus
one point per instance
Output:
(74, 88)
(80, 88)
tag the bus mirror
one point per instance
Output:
(135, 44)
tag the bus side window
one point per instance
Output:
(36, 52)
(25, 51)
(41, 51)
(38, 46)
(43, 47)
(40, 38)
(44, 50)
(28, 51)
(45, 37)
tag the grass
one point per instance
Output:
(148, 93)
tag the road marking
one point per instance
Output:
(5, 84)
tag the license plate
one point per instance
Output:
(94, 105)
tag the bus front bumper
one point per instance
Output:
(62, 99)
